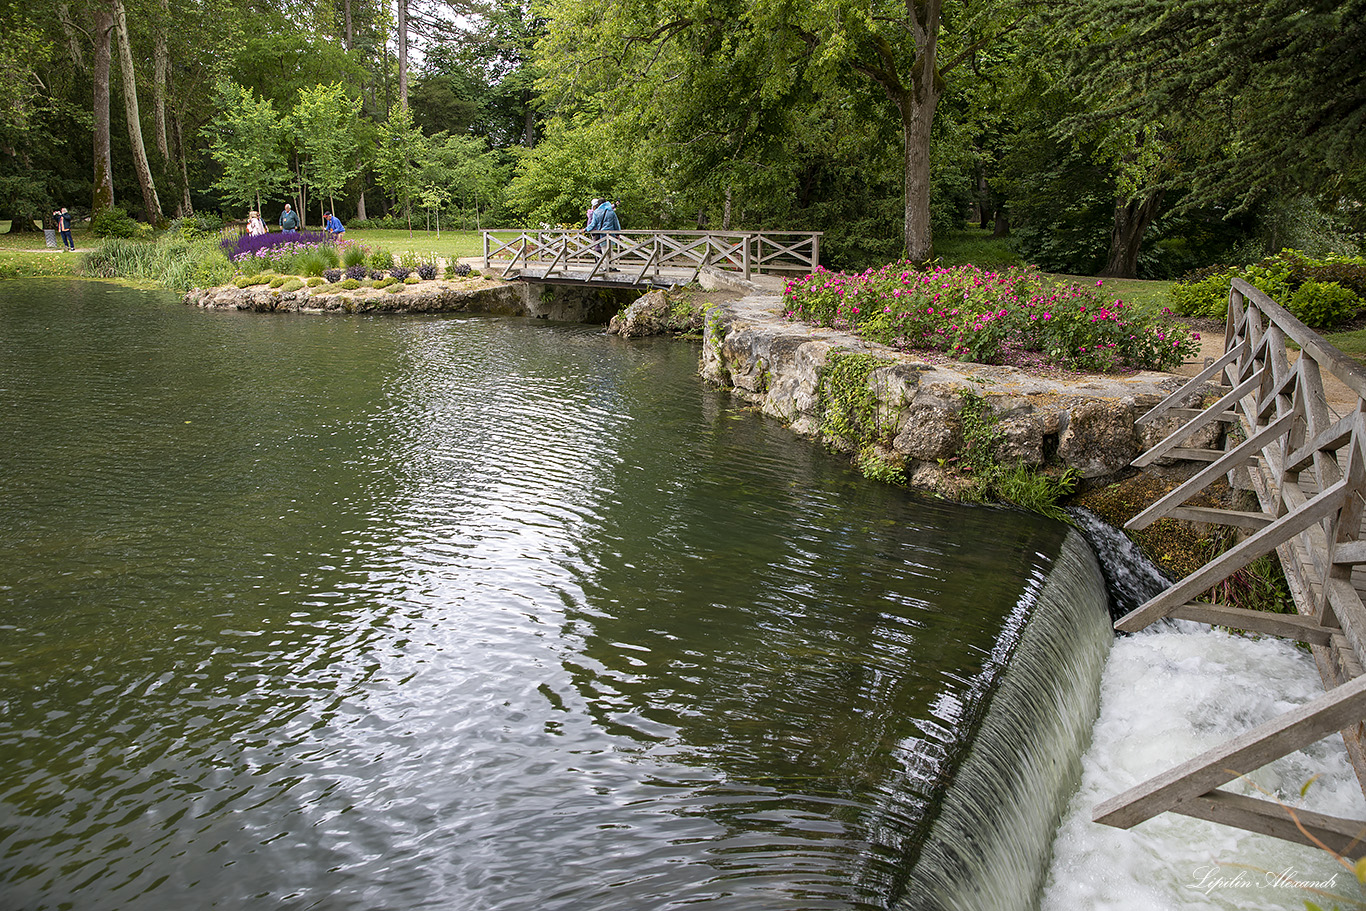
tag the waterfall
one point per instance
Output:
(1167, 694)
(988, 849)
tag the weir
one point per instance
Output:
(989, 848)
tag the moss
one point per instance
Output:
(314, 282)
(293, 284)
(277, 281)
(349, 284)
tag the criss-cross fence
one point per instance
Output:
(1306, 460)
(648, 257)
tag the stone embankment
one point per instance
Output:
(1083, 422)
(474, 294)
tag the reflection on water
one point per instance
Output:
(460, 613)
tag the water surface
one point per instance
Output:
(454, 612)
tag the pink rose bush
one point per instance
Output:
(1017, 316)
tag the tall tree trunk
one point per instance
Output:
(350, 31)
(72, 34)
(528, 121)
(725, 210)
(150, 203)
(403, 52)
(103, 23)
(161, 63)
(360, 203)
(1002, 227)
(1132, 218)
(186, 205)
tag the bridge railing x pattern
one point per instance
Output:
(1306, 461)
(642, 255)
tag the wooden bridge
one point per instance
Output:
(1306, 460)
(660, 259)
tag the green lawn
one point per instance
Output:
(451, 245)
(25, 253)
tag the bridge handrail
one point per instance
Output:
(1307, 467)
(743, 251)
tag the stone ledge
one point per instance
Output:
(1085, 422)
(461, 296)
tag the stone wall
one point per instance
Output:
(1084, 422)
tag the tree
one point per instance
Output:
(400, 157)
(894, 47)
(150, 203)
(323, 120)
(245, 142)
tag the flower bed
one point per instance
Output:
(1014, 317)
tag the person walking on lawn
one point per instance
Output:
(289, 219)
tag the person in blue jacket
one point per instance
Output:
(334, 226)
(602, 226)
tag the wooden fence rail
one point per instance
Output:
(1306, 462)
(678, 255)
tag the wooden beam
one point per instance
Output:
(1242, 389)
(1190, 386)
(1263, 542)
(1268, 818)
(1230, 517)
(1283, 626)
(1206, 476)
(1250, 750)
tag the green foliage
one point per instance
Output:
(987, 317)
(348, 284)
(244, 139)
(315, 282)
(1017, 483)
(172, 261)
(313, 262)
(385, 282)
(1206, 297)
(293, 284)
(380, 258)
(1322, 304)
(324, 119)
(846, 402)
(277, 281)
(399, 161)
(113, 222)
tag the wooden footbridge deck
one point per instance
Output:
(1306, 461)
(646, 259)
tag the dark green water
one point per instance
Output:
(458, 613)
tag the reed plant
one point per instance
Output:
(172, 261)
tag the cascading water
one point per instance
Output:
(988, 848)
(1168, 694)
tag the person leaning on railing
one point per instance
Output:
(602, 225)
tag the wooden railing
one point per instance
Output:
(679, 255)
(1306, 461)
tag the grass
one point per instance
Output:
(452, 245)
(1351, 342)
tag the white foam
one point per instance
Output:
(1168, 694)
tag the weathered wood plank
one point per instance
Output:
(1230, 517)
(1190, 386)
(1190, 427)
(1206, 476)
(1263, 542)
(1283, 626)
(1345, 836)
(1250, 750)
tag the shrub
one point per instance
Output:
(1323, 304)
(375, 275)
(113, 222)
(400, 272)
(1204, 297)
(382, 259)
(293, 284)
(314, 282)
(411, 280)
(969, 314)
(410, 259)
(385, 281)
(173, 261)
(356, 273)
(277, 281)
(332, 275)
(197, 225)
(312, 262)
(427, 271)
(353, 255)
(461, 269)
(274, 247)
(349, 284)
(211, 271)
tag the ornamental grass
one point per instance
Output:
(1013, 317)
